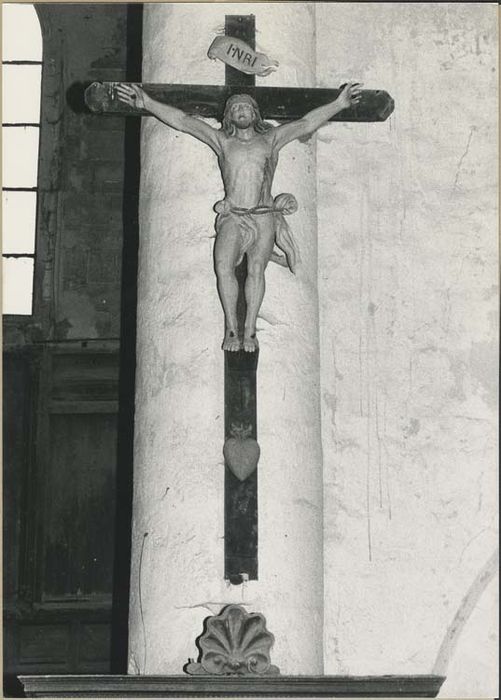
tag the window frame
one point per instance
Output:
(16, 317)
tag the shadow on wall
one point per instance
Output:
(75, 98)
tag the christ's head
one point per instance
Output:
(241, 112)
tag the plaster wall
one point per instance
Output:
(177, 577)
(409, 320)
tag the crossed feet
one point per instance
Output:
(232, 342)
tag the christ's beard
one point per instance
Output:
(243, 122)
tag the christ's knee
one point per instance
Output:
(255, 270)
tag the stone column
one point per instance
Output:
(178, 523)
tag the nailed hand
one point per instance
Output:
(132, 95)
(351, 95)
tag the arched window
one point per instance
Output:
(21, 93)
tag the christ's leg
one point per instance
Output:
(257, 259)
(254, 293)
(226, 250)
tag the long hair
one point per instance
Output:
(260, 126)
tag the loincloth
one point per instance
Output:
(246, 222)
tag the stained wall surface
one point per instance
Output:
(408, 303)
(90, 181)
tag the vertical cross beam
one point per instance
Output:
(240, 498)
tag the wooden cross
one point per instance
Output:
(240, 501)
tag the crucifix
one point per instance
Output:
(250, 222)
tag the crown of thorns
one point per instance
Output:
(237, 99)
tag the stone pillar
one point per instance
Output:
(178, 522)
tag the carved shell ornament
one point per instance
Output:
(235, 643)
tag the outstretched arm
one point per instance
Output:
(135, 96)
(286, 133)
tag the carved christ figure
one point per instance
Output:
(249, 219)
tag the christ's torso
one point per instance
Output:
(247, 168)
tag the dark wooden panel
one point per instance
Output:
(79, 496)
(94, 643)
(85, 376)
(10, 654)
(275, 102)
(43, 644)
(16, 432)
(60, 641)
(83, 407)
(101, 666)
(67, 491)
